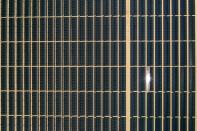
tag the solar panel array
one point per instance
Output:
(81, 65)
(62, 65)
(163, 39)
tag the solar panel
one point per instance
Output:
(161, 44)
(98, 65)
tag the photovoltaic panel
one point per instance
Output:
(162, 42)
(55, 59)
(98, 65)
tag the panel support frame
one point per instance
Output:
(127, 65)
